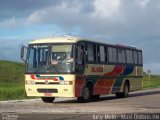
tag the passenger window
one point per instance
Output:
(121, 56)
(140, 57)
(112, 54)
(91, 53)
(135, 57)
(102, 53)
(129, 54)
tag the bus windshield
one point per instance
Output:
(50, 59)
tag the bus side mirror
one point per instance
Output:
(22, 53)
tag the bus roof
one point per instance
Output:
(66, 39)
(70, 39)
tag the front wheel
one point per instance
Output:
(85, 97)
(96, 97)
(48, 99)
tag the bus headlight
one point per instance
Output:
(30, 82)
(66, 82)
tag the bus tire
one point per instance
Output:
(96, 97)
(118, 95)
(48, 99)
(86, 96)
(125, 92)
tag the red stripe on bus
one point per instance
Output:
(32, 76)
(103, 86)
(78, 85)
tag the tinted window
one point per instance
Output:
(129, 54)
(135, 57)
(102, 53)
(112, 54)
(140, 57)
(90, 53)
(80, 54)
(121, 56)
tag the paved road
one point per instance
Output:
(143, 102)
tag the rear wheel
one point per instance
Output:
(48, 99)
(85, 97)
(119, 95)
(125, 92)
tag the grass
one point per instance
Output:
(12, 81)
(12, 92)
(154, 81)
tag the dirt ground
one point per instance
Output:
(141, 102)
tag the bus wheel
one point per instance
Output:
(48, 99)
(119, 95)
(85, 97)
(95, 97)
(125, 92)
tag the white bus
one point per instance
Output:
(82, 68)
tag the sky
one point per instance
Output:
(128, 22)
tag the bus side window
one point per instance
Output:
(121, 56)
(80, 55)
(102, 53)
(129, 54)
(91, 53)
(112, 54)
(140, 58)
(135, 57)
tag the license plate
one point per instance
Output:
(48, 94)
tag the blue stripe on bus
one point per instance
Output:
(118, 81)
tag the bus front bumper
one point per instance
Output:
(50, 91)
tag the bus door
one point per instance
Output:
(80, 53)
(80, 67)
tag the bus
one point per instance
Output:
(81, 68)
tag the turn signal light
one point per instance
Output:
(66, 82)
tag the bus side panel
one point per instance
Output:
(119, 79)
(111, 80)
(107, 80)
(102, 81)
(134, 78)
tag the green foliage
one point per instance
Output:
(12, 92)
(154, 81)
(11, 81)
(11, 72)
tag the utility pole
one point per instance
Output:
(149, 77)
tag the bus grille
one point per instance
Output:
(47, 90)
(45, 83)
